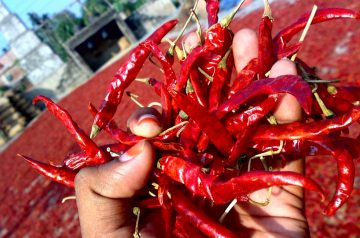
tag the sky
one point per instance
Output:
(23, 7)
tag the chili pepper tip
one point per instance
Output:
(94, 131)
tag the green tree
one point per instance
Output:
(55, 30)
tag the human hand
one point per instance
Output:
(105, 193)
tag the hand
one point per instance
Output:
(104, 193)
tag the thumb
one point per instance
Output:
(103, 192)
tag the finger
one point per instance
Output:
(191, 41)
(103, 192)
(288, 109)
(146, 122)
(245, 47)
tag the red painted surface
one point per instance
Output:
(30, 205)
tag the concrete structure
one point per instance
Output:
(36, 58)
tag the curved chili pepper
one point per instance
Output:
(222, 77)
(212, 9)
(183, 229)
(123, 78)
(197, 217)
(299, 130)
(116, 133)
(57, 174)
(209, 124)
(322, 15)
(266, 50)
(199, 92)
(190, 135)
(288, 51)
(245, 77)
(95, 154)
(288, 83)
(238, 122)
(220, 190)
(150, 203)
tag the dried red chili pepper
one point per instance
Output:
(221, 78)
(197, 217)
(183, 229)
(212, 9)
(57, 174)
(238, 122)
(95, 154)
(322, 15)
(220, 190)
(245, 77)
(266, 55)
(123, 77)
(287, 83)
(209, 124)
(299, 130)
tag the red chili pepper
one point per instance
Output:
(116, 133)
(183, 229)
(97, 155)
(197, 217)
(150, 203)
(238, 122)
(245, 77)
(212, 9)
(299, 130)
(288, 83)
(222, 77)
(123, 78)
(198, 88)
(203, 142)
(266, 50)
(209, 124)
(190, 135)
(57, 174)
(322, 15)
(220, 190)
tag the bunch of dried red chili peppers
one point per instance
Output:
(208, 149)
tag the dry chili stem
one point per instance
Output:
(267, 10)
(267, 153)
(134, 97)
(210, 78)
(227, 20)
(136, 212)
(65, 199)
(155, 185)
(327, 112)
(112, 153)
(154, 104)
(307, 27)
(173, 44)
(152, 194)
(173, 128)
(227, 210)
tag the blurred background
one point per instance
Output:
(68, 50)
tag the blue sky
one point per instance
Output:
(23, 7)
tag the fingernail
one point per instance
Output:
(148, 118)
(133, 152)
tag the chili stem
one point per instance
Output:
(227, 210)
(227, 20)
(307, 27)
(154, 104)
(173, 128)
(65, 199)
(136, 212)
(134, 97)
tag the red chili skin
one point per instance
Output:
(190, 136)
(166, 208)
(199, 92)
(58, 174)
(266, 54)
(222, 77)
(125, 75)
(197, 217)
(79, 160)
(186, 67)
(288, 51)
(299, 130)
(220, 190)
(245, 77)
(115, 132)
(240, 121)
(183, 229)
(156, 85)
(167, 110)
(150, 203)
(335, 104)
(322, 15)
(97, 155)
(212, 9)
(283, 84)
(348, 93)
(203, 142)
(209, 124)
